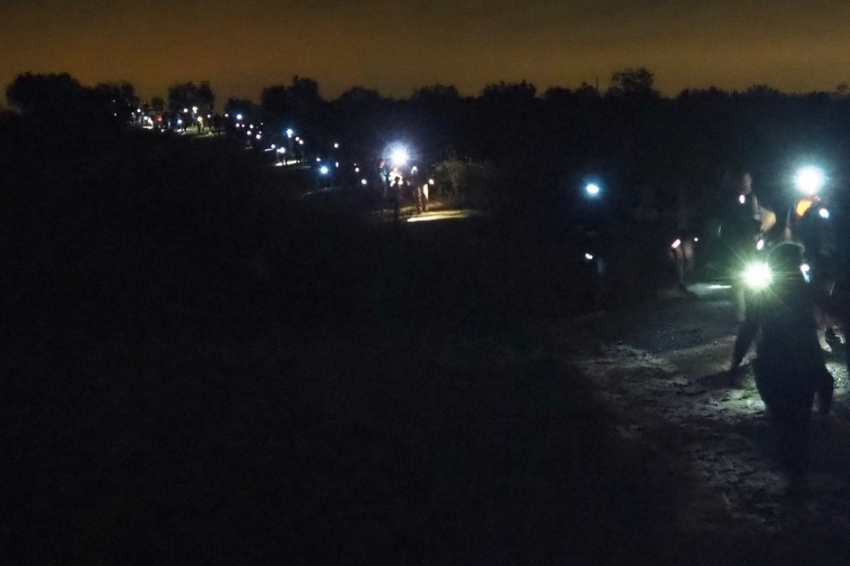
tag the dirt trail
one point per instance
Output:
(662, 370)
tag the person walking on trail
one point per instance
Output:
(739, 231)
(790, 369)
(395, 197)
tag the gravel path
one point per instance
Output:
(661, 368)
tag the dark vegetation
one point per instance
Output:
(538, 146)
(198, 366)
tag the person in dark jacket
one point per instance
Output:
(739, 231)
(396, 189)
(790, 368)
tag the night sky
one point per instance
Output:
(393, 47)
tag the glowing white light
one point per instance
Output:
(300, 142)
(588, 257)
(364, 182)
(430, 181)
(337, 164)
(324, 170)
(592, 189)
(696, 239)
(318, 159)
(274, 146)
(239, 116)
(399, 157)
(758, 276)
(259, 136)
(453, 215)
(676, 244)
(185, 110)
(742, 199)
(194, 109)
(357, 169)
(809, 180)
(760, 244)
(824, 213)
(289, 132)
(336, 146)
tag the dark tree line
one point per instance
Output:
(189, 95)
(537, 147)
(61, 99)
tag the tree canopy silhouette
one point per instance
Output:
(189, 95)
(49, 95)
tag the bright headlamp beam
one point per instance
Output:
(757, 276)
(399, 157)
(809, 180)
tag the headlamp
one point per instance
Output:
(757, 276)
(809, 180)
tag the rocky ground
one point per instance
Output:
(662, 369)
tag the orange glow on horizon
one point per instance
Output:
(396, 47)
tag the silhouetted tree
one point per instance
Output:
(117, 100)
(633, 82)
(50, 96)
(359, 97)
(240, 105)
(509, 92)
(298, 101)
(188, 95)
(436, 93)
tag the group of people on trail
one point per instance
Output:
(398, 190)
(790, 367)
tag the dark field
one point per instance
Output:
(201, 367)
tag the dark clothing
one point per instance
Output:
(817, 235)
(743, 339)
(740, 227)
(790, 365)
(395, 200)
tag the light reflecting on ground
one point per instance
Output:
(442, 215)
